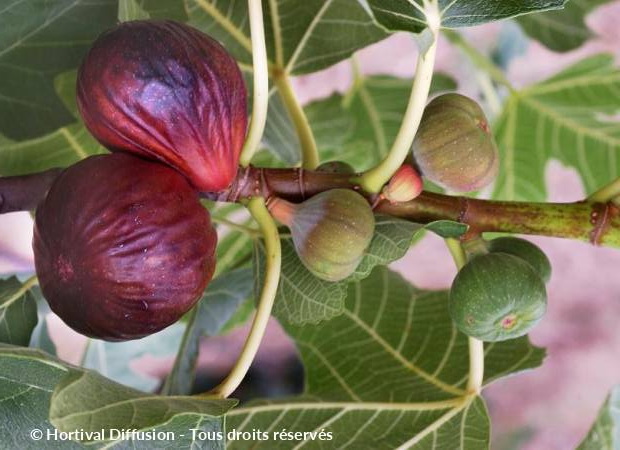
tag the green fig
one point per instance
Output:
(497, 296)
(335, 167)
(525, 250)
(331, 231)
(454, 146)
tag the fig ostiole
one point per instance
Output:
(525, 250)
(165, 91)
(123, 247)
(497, 296)
(454, 146)
(331, 231)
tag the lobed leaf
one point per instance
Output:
(33, 384)
(390, 371)
(569, 117)
(38, 41)
(87, 401)
(301, 37)
(562, 30)
(407, 15)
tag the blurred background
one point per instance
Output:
(551, 407)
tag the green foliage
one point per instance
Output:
(33, 384)
(18, 312)
(40, 40)
(384, 364)
(390, 370)
(407, 15)
(605, 433)
(568, 117)
(301, 37)
(562, 30)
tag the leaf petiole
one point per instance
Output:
(476, 347)
(309, 152)
(261, 83)
(273, 257)
(374, 179)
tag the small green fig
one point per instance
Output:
(335, 167)
(405, 185)
(497, 296)
(525, 250)
(454, 146)
(331, 231)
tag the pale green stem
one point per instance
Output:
(261, 83)
(273, 260)
(374, 179)
(489, 92)
(309, 152)
(478, 59)
(606, 193)
(476, 347)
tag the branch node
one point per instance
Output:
(599, 218)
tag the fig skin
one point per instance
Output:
(454, 146)
(497, 296)
(331, 231)
(165, 91)
(525, 250)
(123, 247)
(335, 167)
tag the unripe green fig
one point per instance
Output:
(122, 247)
(497, 296)
(331, 231)
(335, 167)
(454, 146)
(525, 250)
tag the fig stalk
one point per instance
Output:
(260, 74)
(273, 267)
(373, 180)
(309, 152)
(476, 346)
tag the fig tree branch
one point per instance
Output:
(595, 222)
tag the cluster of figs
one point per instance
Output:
(124, 247)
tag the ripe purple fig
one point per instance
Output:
(166, 91)
(454, 146)
(123, 247)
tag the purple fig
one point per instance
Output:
(123, 248)
(166, 91)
